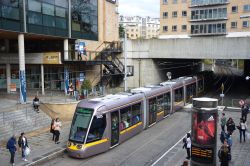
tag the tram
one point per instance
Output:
(100, 124)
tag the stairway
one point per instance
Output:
(114, 70)
(22, 120)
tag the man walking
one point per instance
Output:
(11, 145)
(223, 121)
(188, 146)
(23, 144)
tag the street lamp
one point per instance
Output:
(247, 78)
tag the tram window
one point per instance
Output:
(191, 89)
(126, 117)
(152, 105)
(178, 95)
(136, 113)
(166, 101)
(160, 103)
(80, 124)
(97, 129)
(200, 85)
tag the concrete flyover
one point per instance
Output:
(191, 48)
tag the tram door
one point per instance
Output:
(114, 128)
(152, 111)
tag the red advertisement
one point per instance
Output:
(204, 131)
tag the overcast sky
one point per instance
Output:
(139, 8)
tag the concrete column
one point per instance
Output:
(22, 76)
(8, 77)
(42, 78)
(66, 49)
(7, 45)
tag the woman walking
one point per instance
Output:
(57, 129)
(243, 128)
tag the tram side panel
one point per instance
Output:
(178, 98)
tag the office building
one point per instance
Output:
(189, 18)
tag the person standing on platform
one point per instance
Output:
(188, 147)
(223, 121)
(244, 112)
(52, 129)
(11, 145)
(223, 154)
(242, 129)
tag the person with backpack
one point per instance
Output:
(222, 136)
(223, 122)
(52, 129)
(11, 145)
(23, 144)
(57, 128)
(242, 129)
(230, 126)
(223, 154)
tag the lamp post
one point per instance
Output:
(222, 93)
(125, 59)
(247, 78)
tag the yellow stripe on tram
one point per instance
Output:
(130, 128)
(96, 142)
(159, 113)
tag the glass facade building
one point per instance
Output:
(51, 17)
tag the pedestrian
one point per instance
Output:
(229, 142)
(242, 129)
(11, 145)
(223, 121)
(52, 128)
(57, 129)
(244, 112)
(188, 146)
(223, 154)
(222, 136)
(230, 126)
(23, 144)
(185, 163)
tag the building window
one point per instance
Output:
(174, 28)
(234, 24)
(165, 28)
(184, 13)
(245, 24)
(184, 28)
(174, 1)
(165, 15)
(234, 9)
(246, 8)
(174, 14)
(165, 2)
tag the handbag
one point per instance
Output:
(27, 151)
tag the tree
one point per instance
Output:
(121, 31)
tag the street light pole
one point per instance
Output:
(125, 60)
(222, 93)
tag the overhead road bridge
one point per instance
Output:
(191, 48)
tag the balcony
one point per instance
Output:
(208, 29)
(201, 3)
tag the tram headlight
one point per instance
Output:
(69, 144)
(79, 146)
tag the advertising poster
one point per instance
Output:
(204, 128)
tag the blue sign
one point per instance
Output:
(82, 77)
(66, 79)
(22, 78)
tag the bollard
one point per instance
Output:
(204, 132)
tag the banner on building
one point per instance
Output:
(22, 86)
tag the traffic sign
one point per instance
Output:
(241, 102)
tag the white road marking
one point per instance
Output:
(169, 150)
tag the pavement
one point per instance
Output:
(41, 145)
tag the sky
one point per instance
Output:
(140, 8)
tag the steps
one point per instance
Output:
(22, 120)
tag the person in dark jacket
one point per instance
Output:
(11, 145)
(23, 144)
(244, 112)
(230, 126)
(52, 127)
(224, 154)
